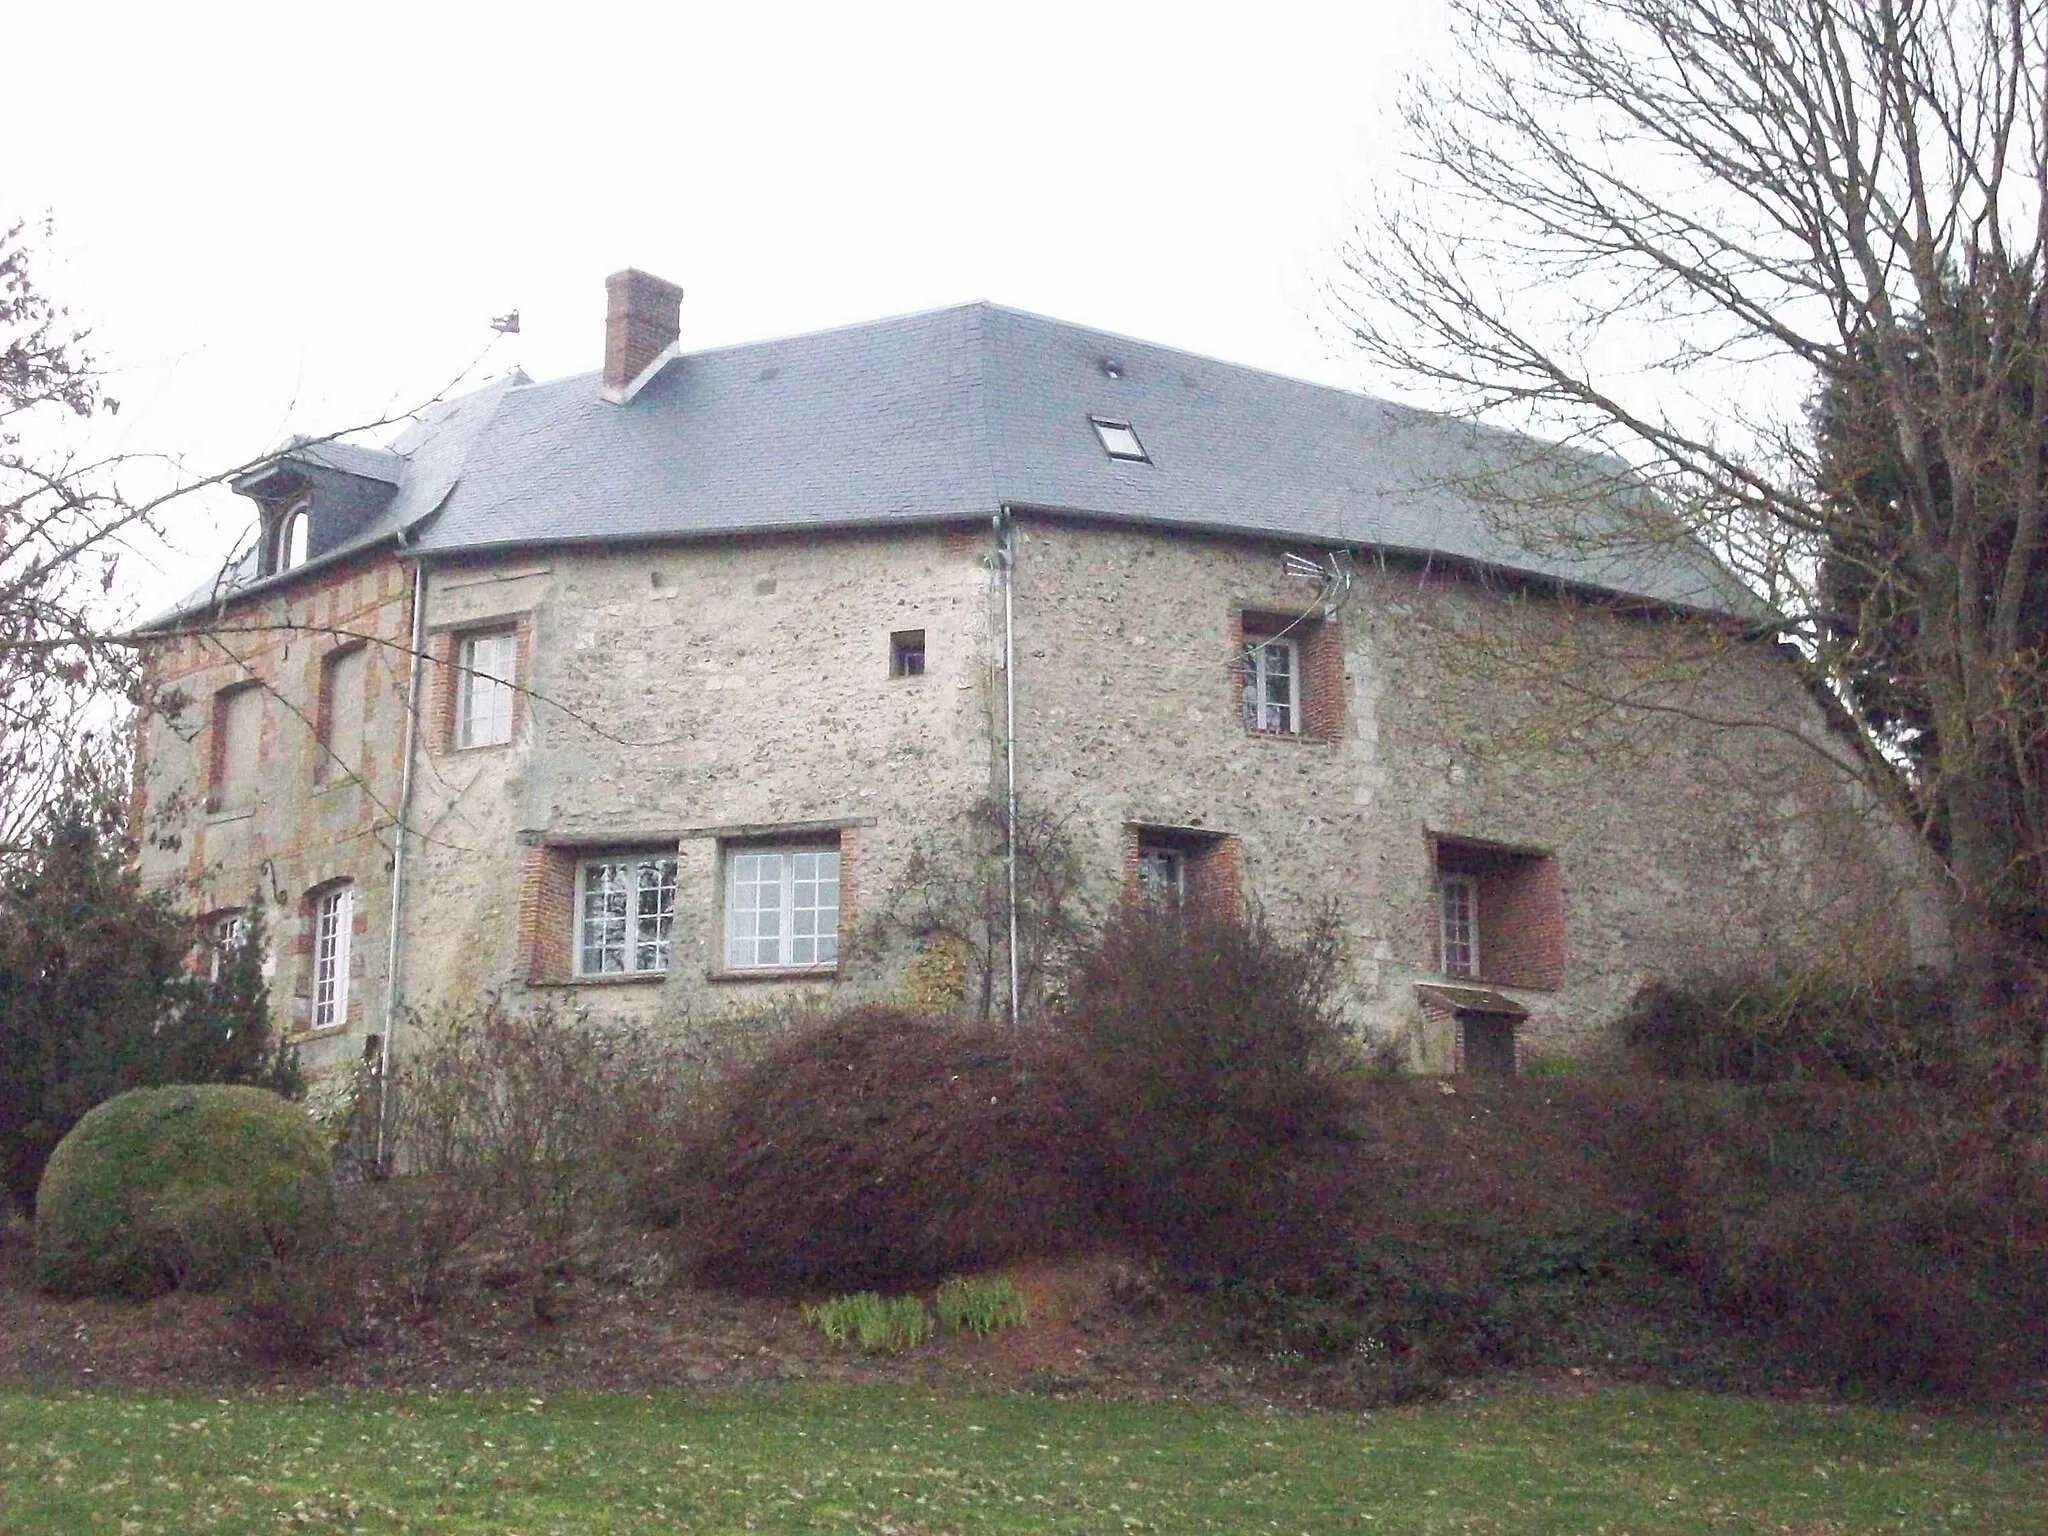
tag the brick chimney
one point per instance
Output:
(643, 317)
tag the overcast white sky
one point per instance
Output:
(291, 217)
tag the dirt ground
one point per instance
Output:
(638, 1334)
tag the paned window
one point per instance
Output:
(483, 689)
(625, 908)
(1272, 692)
(781, 907)
(1162, 876)
(333, 924)
(1460, 898)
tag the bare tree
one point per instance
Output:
(1781, 263)
(62, 527)
(71, 673)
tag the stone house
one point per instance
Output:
(636, 690)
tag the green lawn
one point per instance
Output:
(875, 1460)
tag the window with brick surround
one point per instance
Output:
(485, 666)
(625, 909)
(1169, 868)
(339, 718)
(1499, 914)
(333, 933)
(1289, 675)
(781, 906)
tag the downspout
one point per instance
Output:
(393, 946)
(1006, 556)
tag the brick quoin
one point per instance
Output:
(849, 843)
(547, 914)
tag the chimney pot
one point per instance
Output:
(643, 317)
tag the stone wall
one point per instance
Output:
(1687, 789)
(681, 699)
(1674, 799)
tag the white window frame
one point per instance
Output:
(333, 929)
(1162, 875)
(636, 921)
(483, 698)
(294, 538)
(793, 872)
(1260, 712)
(1463, 948)
(226, 932)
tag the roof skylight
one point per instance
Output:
(1119, 441)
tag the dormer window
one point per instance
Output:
(288, 553)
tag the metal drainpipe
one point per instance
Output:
(1006, 554)
(391, 953)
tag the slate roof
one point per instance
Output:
(959, 412)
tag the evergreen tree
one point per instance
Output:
(98, 994)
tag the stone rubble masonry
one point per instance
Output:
(693, 697)
(685, 699)
(1674, 845)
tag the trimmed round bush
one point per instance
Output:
(189, 1186)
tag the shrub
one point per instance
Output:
(1205, 1059)
(1791, 1025)
(875, 1148)
(95, 996)
(877, 1324)
(1879, 1231)
(527, 1133)
(184, 1186)
(980, 1307)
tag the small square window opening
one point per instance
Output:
(1119, 441)
(625, 909)
(906, 653)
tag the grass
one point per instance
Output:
(875, 1460)
(878, 1324)
(980, 1306)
